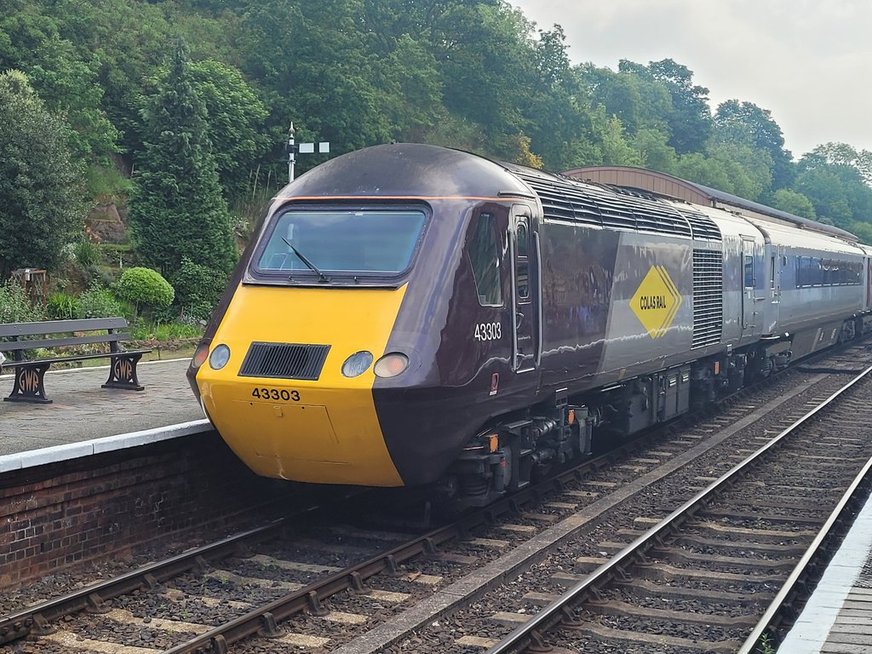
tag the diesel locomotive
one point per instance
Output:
(411, 315)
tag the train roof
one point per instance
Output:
(404, 170)
(666, 185)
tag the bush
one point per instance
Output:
(144, 287)
(15, 305)
(99, 302)
(198, 289)
(62, 306)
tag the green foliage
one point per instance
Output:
(837, 191)
(67, 81)
(144, 287)
(198, 289)
(655, 152)
(235, 123)
(745, 123)
(99, 302)
(689, 119)
(40, 185)
(863, 230)
(177, 209)
(472, 74)
(795, 203)
(106, 182)
(616, 151)
(87, 253)
(165, 331)
(15, 305)
(62, 306)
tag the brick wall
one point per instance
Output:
(61, 514)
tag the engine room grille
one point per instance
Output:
(284, 361)
(703, 226)
(708, 303)
(615, 207)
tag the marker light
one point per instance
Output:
(219, 357)
(391, 365)
(357, 364)
(200, 355)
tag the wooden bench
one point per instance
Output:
(18, 337)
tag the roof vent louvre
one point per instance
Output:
(606, 206)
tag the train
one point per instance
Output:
(408, 315)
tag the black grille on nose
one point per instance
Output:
(284, 361)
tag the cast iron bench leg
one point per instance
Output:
(122, 372)
(28, 386)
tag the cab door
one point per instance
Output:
(525, 294)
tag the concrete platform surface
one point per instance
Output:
(837, 619)
(82, 411)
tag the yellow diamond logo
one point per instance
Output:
(656, 301)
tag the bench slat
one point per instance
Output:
(60, 326)
(13, 346)
(104, 355)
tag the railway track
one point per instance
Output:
(330, 585)
(700, 579)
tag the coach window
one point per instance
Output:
(484, 257)
(749, 271)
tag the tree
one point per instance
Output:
(842, 154)
(690, 120)
(640, 101)
(41, 188)
(749, 169)
(654, 151)
(829, 176)
(67, 82)
(235, 123)
(746, 123)
(176, 208)
(793, 202)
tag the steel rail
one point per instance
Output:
(17, 625)
(531, 632)
(781, 604)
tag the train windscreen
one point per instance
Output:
(377, 241)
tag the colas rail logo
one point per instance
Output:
(656, 301)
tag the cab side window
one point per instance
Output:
(484, 256)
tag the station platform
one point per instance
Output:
(837, 619)
(82, 414)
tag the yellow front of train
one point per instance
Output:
(287, 377)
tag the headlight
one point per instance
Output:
(219, 357)
(200, 355)
(391, 365)
(357, 364)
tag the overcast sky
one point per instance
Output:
(809, 63)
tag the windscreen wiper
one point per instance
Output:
(324, 278)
